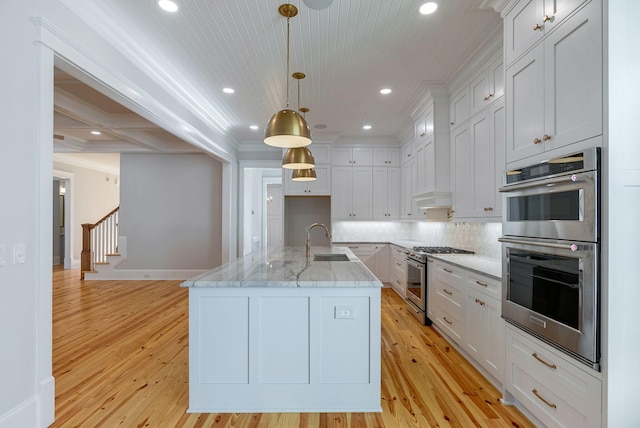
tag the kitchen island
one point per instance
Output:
(279, 332)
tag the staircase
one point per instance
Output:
(99, 244)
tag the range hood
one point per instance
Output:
(433, 200)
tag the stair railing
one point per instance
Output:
(99, 240)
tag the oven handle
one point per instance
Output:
(570, 247)
(414, 264)
(544, 183)
(555, 281)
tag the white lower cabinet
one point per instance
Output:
(375, 257)
(449, 301)
(467, 307)
(398, 270)
(554, 388)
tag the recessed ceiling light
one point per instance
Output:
(366, 127)
(428, 8)
(228, 90)
(385, 91)
(168, 5)
(96, 132)
(254, 127)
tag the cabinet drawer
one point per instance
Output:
(545, 381)
(489, 286)
(451, 321)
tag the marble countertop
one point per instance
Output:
(473, 262)
(288, 267)
(478, 264)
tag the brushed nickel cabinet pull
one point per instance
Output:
(535, 355)
(484, 284)
(447, 321)
(535, 392)
(447, 291)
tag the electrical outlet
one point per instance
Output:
(19, 253)
(345, 312)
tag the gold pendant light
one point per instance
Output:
(308, 174)
(287, 128)
(298, 158)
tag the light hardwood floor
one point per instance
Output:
(120, 358)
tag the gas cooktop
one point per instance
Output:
(441, 250)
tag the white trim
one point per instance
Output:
(144, 274)
(24, 414)
(84, 163)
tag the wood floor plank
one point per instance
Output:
(120, 358)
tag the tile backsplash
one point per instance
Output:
(479, 237)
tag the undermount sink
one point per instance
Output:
(333, 257)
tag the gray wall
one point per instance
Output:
(170, 211)
(299, 213)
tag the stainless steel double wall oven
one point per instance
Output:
(551, 252)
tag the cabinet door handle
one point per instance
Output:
(535, 355)
(447, 270)
(480, 302)
(423, 134)
(546, 18)
(447, 291)
(447, 321)
(488, 209)
(548, 403)
(429, 261)
(546, 137)
(537, 140)
(484, 284)
(536, 27)
(452, 123)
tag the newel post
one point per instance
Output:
(85, 256)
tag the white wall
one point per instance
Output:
(620, 239)
(170, 212)
(93, 195)
(33, 31)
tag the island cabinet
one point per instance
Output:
(556, 389)
(554, 90)
(277, 332)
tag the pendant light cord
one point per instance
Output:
(288, 36)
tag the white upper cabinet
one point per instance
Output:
(386, 194)
(424, 125)
(351, 193)
(352, 156)
(531, 20)
(321, 153)
(554, 91)
(460, 107)
(319, 187)
(487, 87)
(386, 156)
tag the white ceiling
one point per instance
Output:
(348, 51)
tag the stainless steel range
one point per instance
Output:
(416, 282)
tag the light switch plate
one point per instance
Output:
(19, 253)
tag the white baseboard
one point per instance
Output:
(46, 401)
(24, 414)
(144, 274)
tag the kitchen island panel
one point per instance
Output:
(335, 361)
